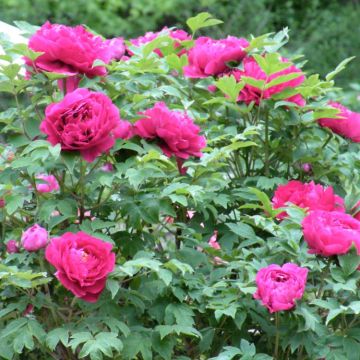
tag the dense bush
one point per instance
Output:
(323, 30)
(175, 198)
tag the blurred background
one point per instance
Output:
(325, 31)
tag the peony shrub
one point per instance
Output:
(175, 196)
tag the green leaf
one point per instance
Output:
(13, 327)
(202, 20)
(166, 330)
(13, 202)
(181, 313)
(230, 87)
(349, 262)
(339, 68)
(283, 79)
(137, 343)
(55, 336)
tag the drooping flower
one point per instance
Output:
(308, 196)
(279, 286)
(252, 70)
(330, 233)
(34, 238)
(82, 263)
(347, 124)
(83, 121)
(209, 57)
(48, 184)
(174, 130)
(69, 50)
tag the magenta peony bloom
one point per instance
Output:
(213, 241)
(107, 167)
(177, 34)
(69, 50)
(12, 247)
(116, 47)
(306, 167)
(308, 196)
(253, 70)
(279, 286)
(348, 125)
(175, 131)
(34, 238)
(209, 57)
(50, 183)
(83, 121)
(83, 263)
(330, 233)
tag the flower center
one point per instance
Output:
(279, 276)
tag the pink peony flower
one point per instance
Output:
(306, 167)
(116, 47)
(308, 196)
(253, 70)
(83, 263)
(124, 130)
(209, 57)
(69, 50)
(175, 131)
(213, 241)
(34, 238)
(348, 125)
(50, 183)
(12, 247)
(279, 286)
(177, 34)
(330, 233)
(107, 167)
(83, 121)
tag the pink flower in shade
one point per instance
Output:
(83, 121)
(12, 247)
(279, 286)
(48, 184)
(306, 167)
(116, 47)
(330, 233)
(29, 309)
(175, 131)
(308, 196)
(347, 125)
(69, 50)
(34, 238)
(177, 34)
(124, 130)
(69, 83)
(107, 167)
(252, 69)
(2, 203)
(209, 57)
(82, 263)
(213, 241)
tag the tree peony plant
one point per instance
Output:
(136, 210)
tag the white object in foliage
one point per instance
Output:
(12, 34)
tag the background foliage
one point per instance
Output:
(325, 31)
